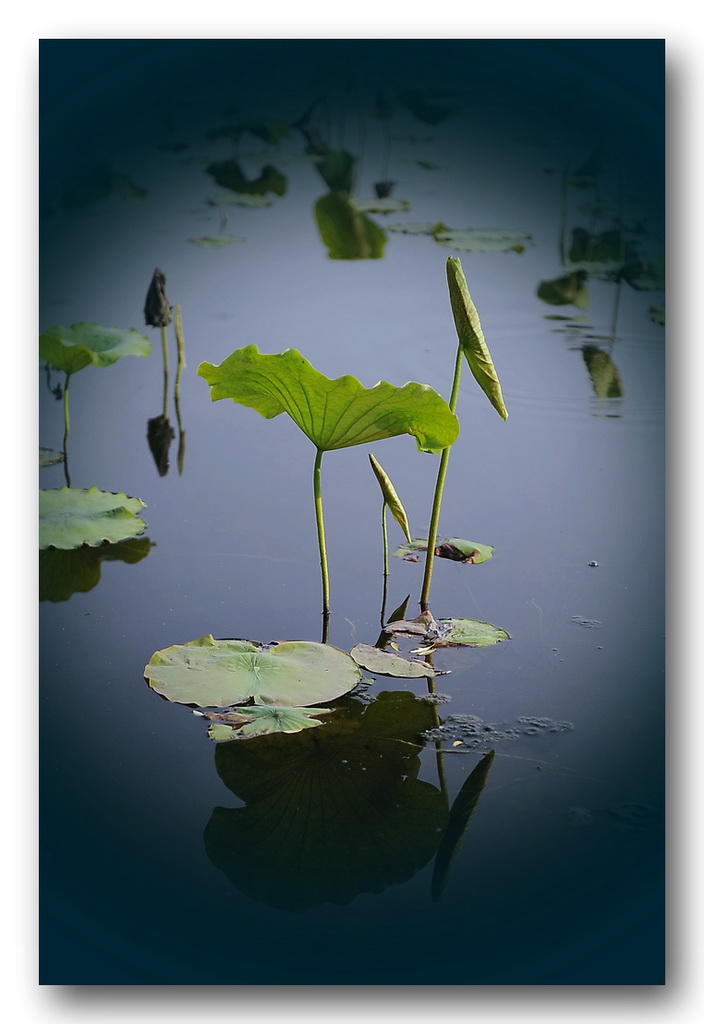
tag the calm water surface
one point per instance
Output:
(309, 859)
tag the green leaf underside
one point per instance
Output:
(247, 723)
(70, 517)
(474, 552)
(83, 344)
(384, 663)
(336, 413)
(220, 673)
(471, 336)
(391, 498)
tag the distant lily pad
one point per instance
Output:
(48, 457)
(483, 240)
(246, 723)
(70, 517)
(215, 241)
(384, 663)
(470, 632)
(222, 673)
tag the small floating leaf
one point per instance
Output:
(471, 336)
(391, 498)
(336, 413)
(246, 723)
(455, 548)
(83, 344)
(70, 517)
(216, 241)
(220, 673)
(470, 632)
(382, 663)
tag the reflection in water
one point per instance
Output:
(65, 573)
(347, 233)
(158, 313)
(331, 812)
(603, 372)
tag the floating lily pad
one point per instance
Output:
(381, 205)
(70, 517)
(470, 632)
(48, 457)
(336, 413)
(215, 241)
(247, 723)
(454, 548)
(417, 228)
(483, 240)
(220, 673)
(386, 664)
(72, 348)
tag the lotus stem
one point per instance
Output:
(321, 541)
(437, 497)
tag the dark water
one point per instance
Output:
(310, 859)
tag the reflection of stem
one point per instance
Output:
(437, 497)
(321, 541)
(67, 427)
(563, 215)
(165, 350)
(181, 348)
(436, 723)
(614, 317)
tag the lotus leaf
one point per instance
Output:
(386, 664)
(72, 348)
(455, 548)
(471, 336)
(70, 517)
(332, 413)
(246, 723)
(470, 632)
(221, 673)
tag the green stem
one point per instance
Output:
(321, 541)
(385, 539)
(437, 497)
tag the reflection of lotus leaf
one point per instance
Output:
(331, 813)
(565, 291)
(483, 240)
(461, 812)
(381, 205)
(228, 174)
(220, 673)
(70, 517)
(603, 372)
(346, 232)
(65, 573)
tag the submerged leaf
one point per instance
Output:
(220, 673)
(72, 348)
(70, 517)
(336, 413)
(391, 498)
(382, 663)
(471, 336)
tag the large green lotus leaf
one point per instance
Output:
(336, 413)
(346, 232)
(82, 344)
(65, 573)
(454, 548)
(386, 664)
(247, 723)
(70, 517)
(330, 813)
(220, 673)
(471, 336)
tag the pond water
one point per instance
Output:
(317, 858)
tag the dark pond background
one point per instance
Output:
(168, 859)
